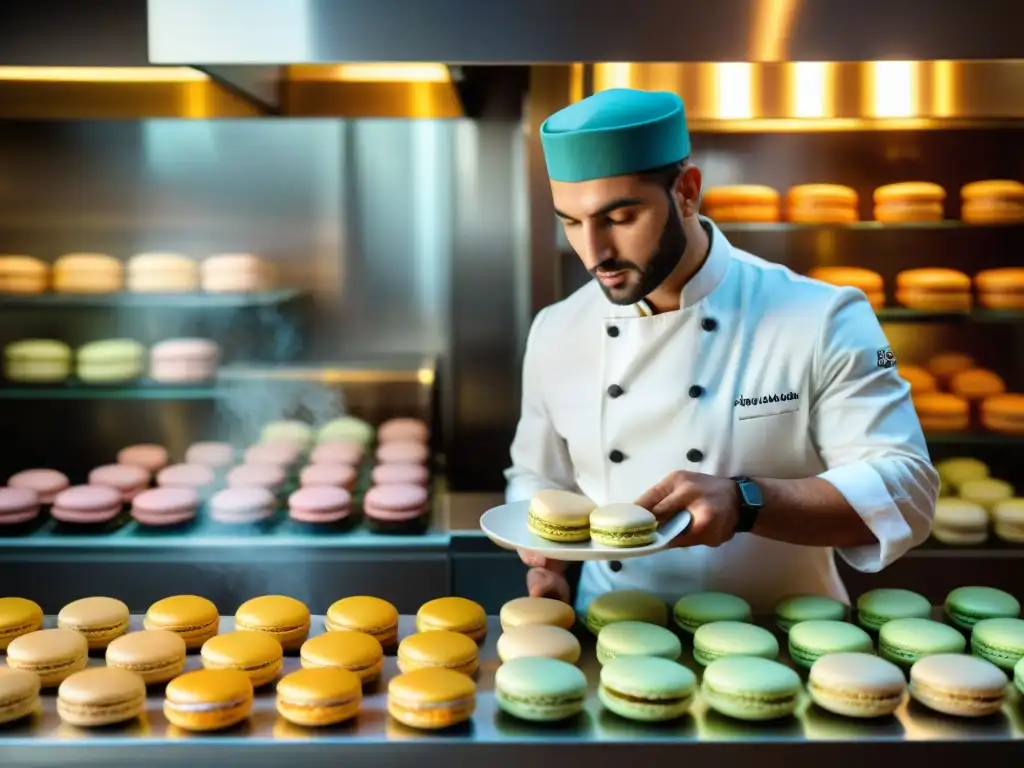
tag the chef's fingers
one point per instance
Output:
(540, 582)
(532, 559)
(658, 492)
(701, 530)
(684, 494)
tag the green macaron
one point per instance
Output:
(1000, 641)
(904, 641)
(810, 640)
(965, 606)
(732, 638)
(878, 606)
(692, 611)
(636, 638)
(625, 605)
(646, 688)
(1018, 676)
(796, 608)
(750, 688)
(540, 689)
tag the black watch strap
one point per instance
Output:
(751, 502)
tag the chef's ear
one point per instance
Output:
(688, 188)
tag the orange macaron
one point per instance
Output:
(871, 283)
(822, 204)
(976, 384)
(1003, 413)
(935, 289)
(945, 365)
(921, 381)
(1000, 288)
(753, 203)
(942, 412)
(909, 201)
(993, 201)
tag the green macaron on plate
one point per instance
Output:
(1000, 641)
(965, 606)
(636, 638)
(540, 689)
(694, 610)
(878, 606)
(732, 638)
(906, 641)
(810, 640)
(646, 688)
(750, 688)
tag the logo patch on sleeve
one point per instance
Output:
(886, 358)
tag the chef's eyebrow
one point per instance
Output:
(604, 210)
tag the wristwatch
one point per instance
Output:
(751, 502)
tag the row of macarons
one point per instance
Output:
(99, 273)
(936, 289)
(990, 201)
(972, 502)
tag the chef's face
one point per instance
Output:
(627, 230)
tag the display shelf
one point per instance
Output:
(991, 550)
(126, 300)
(903, 315)
(974, 439)
(861, 226)
(139, 391)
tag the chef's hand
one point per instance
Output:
(712, 501)
(546, 578)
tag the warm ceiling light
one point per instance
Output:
(613, 74)
(103, 74)
(734, 90)
(810, 89)
(895, 88)
(391, 73)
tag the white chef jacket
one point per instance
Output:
(761, 372)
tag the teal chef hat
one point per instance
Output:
(613, 133)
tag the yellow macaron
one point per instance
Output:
(362, 613)
(157, 655)
(195, 618)
(285, 618)
(257, 654)
(431, 698)
(19, 694)
(455, 614)
(100, 619)
(355, 652)
(208, 699)
(317, 697)
(439, 649)
(18, 617)
(53, 654)
(101, 696)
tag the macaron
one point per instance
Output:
(455, 614)
(101, 696)
(992, 201)
(287, 430)
(18, 617)
(150, 456)
(208, 699)
(821, 204)
(796, 608)
(945, 365)
(53, 654)
(1008, 520)
(194, 618)
(130, 480)
(364, 613)
(692, 611)
(1000, 641)
(868, 281)
(194, 476)
(355, 652)
(242, 506)
(267, 476)
(960, 469)
(1003, 414)
(319, 697)
(346, 429)
(18, 505)
(284, 455)
(349, 454)
(403, 429)
(257, 654)
(99, 619)
(537, 610)
(965, 606)
(743, 203)
(165, 506)
(960, 523)
(905, 641)
(400, 474)
(934, 289)
(942, 412)
(909, 201)
(408, 452)
(625, 605)
(541, 641)
(332, 475)
(540, 690)
(431, 699)
(156, 655)
(810, 640)
(1018, 676)
(856, 685)
(647, 688)
(958, 685)
(987, 492)
(19, 694)
(976, 384)
(319, 505)
(732, 638)
(87, 505)
(438, 649)
(46, 483)
(284, 618)
(877, 606)
(1000, 289)
(622, 525)
(389, 507)
(636, 638)
(560, 516)
(750, 688)
(215, 455)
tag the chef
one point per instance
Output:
(690, 375)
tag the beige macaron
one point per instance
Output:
(960, 523)
(1008, 520)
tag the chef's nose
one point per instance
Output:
(597, 247)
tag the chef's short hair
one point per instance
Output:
(666, 175)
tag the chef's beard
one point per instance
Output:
(643, 281)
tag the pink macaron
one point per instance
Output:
(337, 453)
(211, 454)
(403, 453)
(282, 454)
(400, 474)
(194, 476)
(268, 476)
(320, 504)
(87, 504)
(403, 431)
(240, 506)
(165, 506)
(149, 456)
(18, 505)
(46, 483)
(336, 475)
(396, 503)
(129, 479)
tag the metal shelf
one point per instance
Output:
(127, 300)
(903, 315)
(141, 391)
(974, 439)
(861, 226)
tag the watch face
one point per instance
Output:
(751, 494)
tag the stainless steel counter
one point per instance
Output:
(596, 736)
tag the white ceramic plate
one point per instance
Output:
(506, 527)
